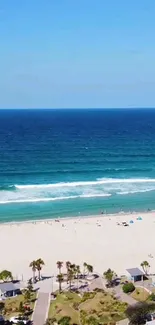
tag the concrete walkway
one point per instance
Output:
(40, 313)
(118, 292)
(120, 295)
(41, 309)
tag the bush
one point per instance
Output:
(99, 290)
(128, 287)
(64, 320)
(152, 297)
(76, 305)
(88, 295)
(137, 314)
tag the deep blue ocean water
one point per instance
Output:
(63, 163)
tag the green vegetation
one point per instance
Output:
(36, 265)
(60, 279)
(6, 275)
(128, 287)
(151, 297)
(59, 266)
(145, 266)
(87, 268)
(39, 264)
(109, 276)
(22, 304)
(140, 294)
(15, 305)
(137, 313)
(90, 308)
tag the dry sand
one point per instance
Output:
(97, 240)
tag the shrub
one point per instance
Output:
(88, 295)
(99, 290)
(152, 297)
(76, 305)
(128, 287)
(64, 320)
(21, 308)
(137, 314)
(102, 302)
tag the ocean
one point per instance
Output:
(66, 163)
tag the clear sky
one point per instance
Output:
(77, 53)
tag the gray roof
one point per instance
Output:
(135, 272)
(9, 286)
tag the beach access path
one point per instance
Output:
(41, 308)
(118, 292)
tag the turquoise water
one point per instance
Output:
(62, 163)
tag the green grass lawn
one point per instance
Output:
(140, 294)
(104, 307)
(12, 305)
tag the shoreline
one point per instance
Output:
(80, 217)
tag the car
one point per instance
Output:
(1, 319)
(19, 319)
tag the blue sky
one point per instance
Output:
(77, 53)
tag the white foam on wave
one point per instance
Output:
(135, 191)
(54, 198)
(99, 181)
(102, 187)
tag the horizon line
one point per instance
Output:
(75, 108)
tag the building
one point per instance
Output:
(9, 289)
(135, 274)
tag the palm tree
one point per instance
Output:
(68, 264)
(59, 266)
(34, 267)
(84, 268)
(77, 272)
(39, 264)
(60, 280)
(145, 266)
(89, 268)
(70, 277)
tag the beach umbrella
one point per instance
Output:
(131, 221)
(139, 218)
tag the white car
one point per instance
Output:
(19, 319)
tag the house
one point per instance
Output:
(9, 289)
(135, 274)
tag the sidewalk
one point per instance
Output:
(40, 313)
(41, 309)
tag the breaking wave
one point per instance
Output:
(102, 187)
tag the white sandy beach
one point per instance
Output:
(96, 240)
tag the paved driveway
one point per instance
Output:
(42, 304)
(41, 308)
(120, 295)
(117, 291)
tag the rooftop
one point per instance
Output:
(9, 286)
(135, 272)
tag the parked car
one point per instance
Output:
(19, 319)
(1, 319)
